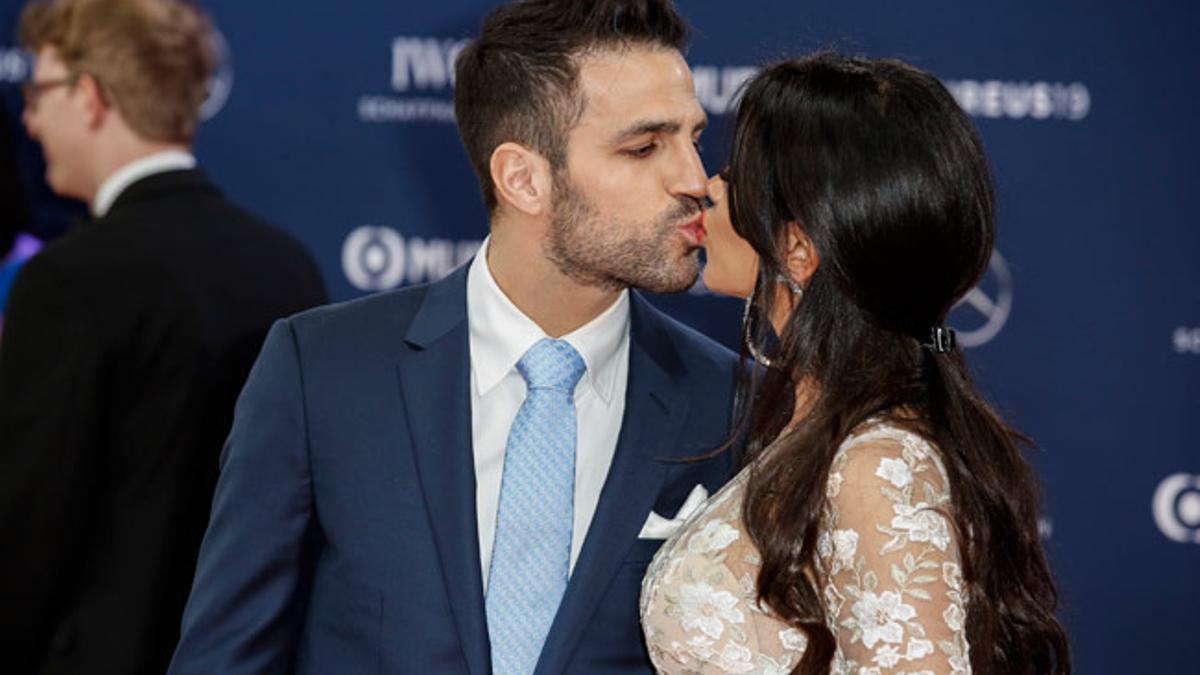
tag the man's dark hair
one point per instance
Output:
(518, 81)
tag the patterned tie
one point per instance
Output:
(532, 550)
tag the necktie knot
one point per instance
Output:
(552, 364)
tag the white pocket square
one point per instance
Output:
(657, 527)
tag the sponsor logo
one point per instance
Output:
(391, 109)
(984, 310)
(718, 87)
(422, 80)
(1176, 508)
(422, 83)
(1022, 100)
(378, 258)
(1187, 340)
(424, 64)
(221, 83)
(15, 64)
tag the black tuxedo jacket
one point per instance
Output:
(125, 345)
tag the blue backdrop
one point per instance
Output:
(334, 121)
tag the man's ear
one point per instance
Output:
(92, 98)
(802, 259)
(523, 178)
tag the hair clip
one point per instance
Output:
(941, 340)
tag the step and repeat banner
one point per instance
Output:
(335, 121)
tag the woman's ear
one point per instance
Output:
(802, 259)
(522, 178)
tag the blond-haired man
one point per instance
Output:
(126, 341)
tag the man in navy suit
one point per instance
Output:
(367, 487)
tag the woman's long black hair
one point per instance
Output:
(881, 169)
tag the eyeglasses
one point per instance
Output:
(32, 91)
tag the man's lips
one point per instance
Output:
(694, 229)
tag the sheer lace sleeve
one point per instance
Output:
(888, 559)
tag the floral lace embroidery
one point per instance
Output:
(887, 564)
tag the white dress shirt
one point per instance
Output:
(500, 334)
(115, 184)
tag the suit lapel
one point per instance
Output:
(655, 410)
(435, 386)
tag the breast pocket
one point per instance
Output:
(643, 550)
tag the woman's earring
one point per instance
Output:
(795, 288)
(748, 336)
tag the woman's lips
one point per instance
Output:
(694, 230)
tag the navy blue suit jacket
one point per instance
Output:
(343, 536)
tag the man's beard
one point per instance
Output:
(594, 250)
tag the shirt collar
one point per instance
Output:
(115, 184)
(500, 334)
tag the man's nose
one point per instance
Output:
(690, 178)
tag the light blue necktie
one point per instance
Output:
(532, 549)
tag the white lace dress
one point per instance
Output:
(887, 564)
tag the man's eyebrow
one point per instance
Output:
(647, 127)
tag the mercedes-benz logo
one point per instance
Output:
(982, 312)
(221, 83)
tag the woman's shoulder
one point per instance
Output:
(884, 451)
(880, 434)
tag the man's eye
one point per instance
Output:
(698, 145)
(642, 150)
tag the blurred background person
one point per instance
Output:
(126, 341)
(15, 247)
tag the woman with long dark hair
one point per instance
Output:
(885, 519)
